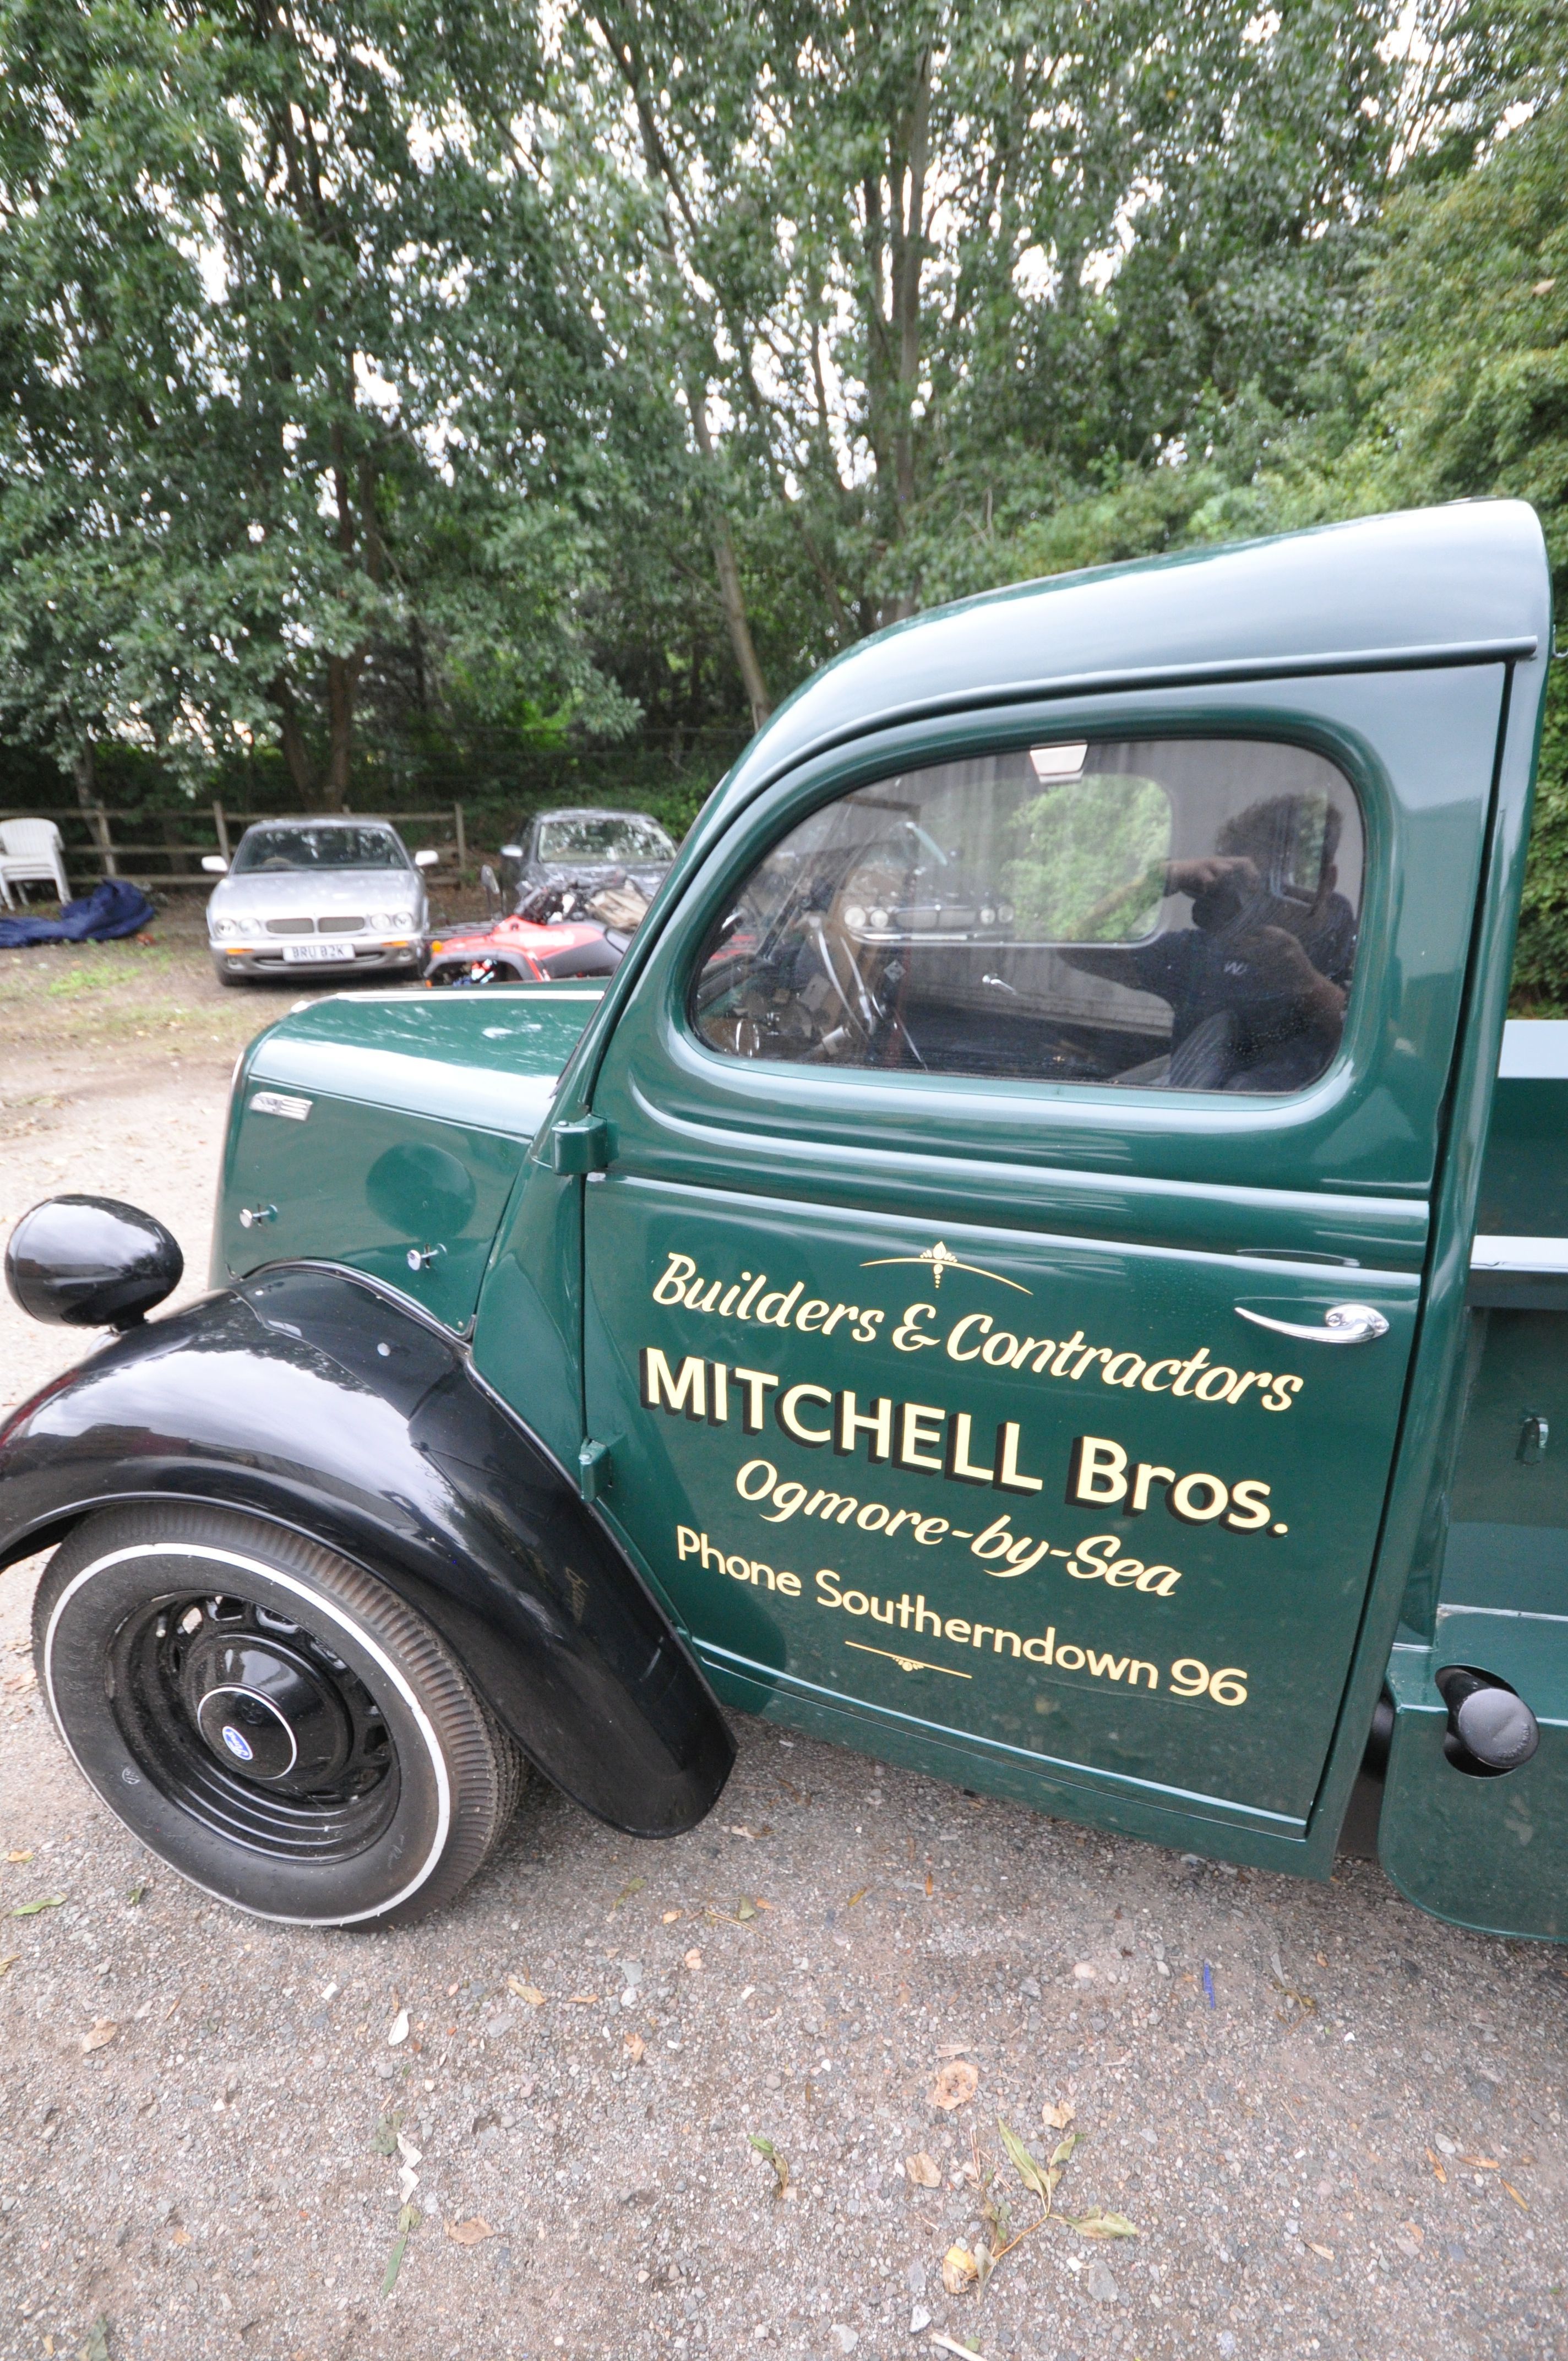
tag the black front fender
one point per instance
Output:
(308, 1397)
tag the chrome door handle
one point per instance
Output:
(1343, 1323)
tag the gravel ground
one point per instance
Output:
(1335, 2125)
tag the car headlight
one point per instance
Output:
(854, 916)
(403, 921)
(380, 922)
(223, 927)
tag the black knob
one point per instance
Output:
(1487, 1720)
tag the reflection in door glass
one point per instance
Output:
(1172, 913)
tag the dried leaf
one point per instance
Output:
(469, 2233)
(20, 1856)
(583, 2000)
(924, 2171)
(960, 2270)
(1098, 2224)
(135, 1893)
(1057, 2118)
(693, 1959)
(103, 2033)
(952, 2049)
(1030, 2173)
(954, 2086)
(31, 1909)
(744, 1909)
(1436, 2163)
(530, 1993)
(1324, 2253)
(385, 2141)
(634, 1885)
(180, 2237)
(636, 2048)
(97, 2346)
(859, 1897)
(399, 2030)
(1482, 2163)
(670, 1917)
(1519, 2201)
(930, 1885)
(1417, 2233)
(7, 1965)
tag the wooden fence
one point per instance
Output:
(98, 845)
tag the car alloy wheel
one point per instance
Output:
(270, 1719)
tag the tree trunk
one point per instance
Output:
(296, 754)
(342, 680)
(84, 769)
(731, 594)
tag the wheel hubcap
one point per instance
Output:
(253, 1724)
(266, 1711)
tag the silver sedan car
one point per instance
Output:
(318, 894)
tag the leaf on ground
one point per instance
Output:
(1097, 2224)
(395, 2262)
(583, 2000)
(399, 2030)
(1324, 2253)
(1057, 2118)
(859, 1897)
(7, 1965)
(530, 1993)
(924, 2171)
(952, 2049)
(780, 2168)
(97, 2346)
(634, 1885)
(469, 2233)
(1437, 2166)
(135, 1895)
(385, 2142)
(101, 2034)
(960, 2270)
(1482, 2163)
(1033, 2174)
(20, 1856)
(1519, 2201)
(669, 1917)
(693, 1959)
(636, 2048)
(745, 1909)
(31, 1909)
(955, 2086)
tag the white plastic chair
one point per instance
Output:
(31, 853)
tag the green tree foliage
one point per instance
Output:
(256, 265)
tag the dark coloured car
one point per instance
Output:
(587, 847)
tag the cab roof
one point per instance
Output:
(1465, 583)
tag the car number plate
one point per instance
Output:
(297, 954)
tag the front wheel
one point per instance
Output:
(271, 1720)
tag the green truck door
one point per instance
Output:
(1015, 1128)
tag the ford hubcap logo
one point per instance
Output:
(236, 1745)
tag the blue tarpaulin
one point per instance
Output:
(112, 909)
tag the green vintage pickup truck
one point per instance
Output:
(1045, 1265)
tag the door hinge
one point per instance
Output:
(582, 1146)
(593, 1470)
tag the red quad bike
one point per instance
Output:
(558, 932)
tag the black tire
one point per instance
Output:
(161, 1632)
(226, 972)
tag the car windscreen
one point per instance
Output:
(334, 846)
(603, 836)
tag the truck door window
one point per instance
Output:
(1171, 913)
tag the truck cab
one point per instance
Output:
(1030, 1269)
